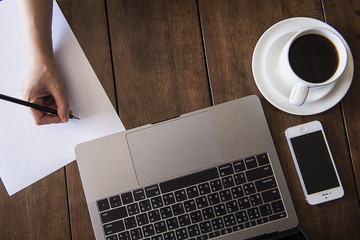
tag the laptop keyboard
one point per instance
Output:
(207, 204)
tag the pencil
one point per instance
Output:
(32, 105)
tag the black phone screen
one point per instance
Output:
(314, 161)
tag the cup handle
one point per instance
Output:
(298, 94)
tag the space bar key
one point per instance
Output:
(189, 180)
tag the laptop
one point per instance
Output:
(211, 173)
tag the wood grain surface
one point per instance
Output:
(158, 59)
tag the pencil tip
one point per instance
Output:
(74, 117)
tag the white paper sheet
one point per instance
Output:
(29, 152)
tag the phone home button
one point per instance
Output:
(303, 129)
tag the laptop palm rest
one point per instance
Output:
(172, 148)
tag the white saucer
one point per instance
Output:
(275, 88)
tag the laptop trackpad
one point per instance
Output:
(172, 148)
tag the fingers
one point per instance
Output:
(42, 118)
(62, 105)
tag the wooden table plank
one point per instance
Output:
(38, 212)
(345, 17)
(158, 59)
(231, 31)
(88, 21)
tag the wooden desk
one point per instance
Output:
(159, 59)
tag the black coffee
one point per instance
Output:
(313, 58)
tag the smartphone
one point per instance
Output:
(314, 163)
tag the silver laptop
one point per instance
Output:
(212, 173)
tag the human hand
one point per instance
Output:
(43, 85)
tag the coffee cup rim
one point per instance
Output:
(339, 46)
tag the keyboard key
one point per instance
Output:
(130, 222)
(277, 216)
(166, 212)
(189, 180)
(253, 213)
(127, 198)
(157, 202)
(103, 205)
(181, 233)
(192, 192)
(180, 195)
(241, 217)
(271, 195)
(201, 202)
(190, 205)
(232, 206)
(277, 206)
(255, 200)
(229, 220)
(152, 191)
(225, 195)
(239, 178)
(193, 230)
(228, 182)
(154, 216)
(114, 227)
(115, 201)
(250, 163)
(214, 234)
(226, 231)
(113, 237)
(114, 214)
(226, 170)
(136, 234)
(205, 227)
(239, 166)
(237, 192)
(208, 213)
(169, 235)
(160, 227)
(145, 205)
(148, 230)
(214, 198)
(265, 210)
(203, 237)
(196, 217)
(265, 184)
(250, 224)
(124, 236)
(178, 208)
(262, 220)
(142, 219)
(157, 237)
(262, 159)
(139, 194)
(249, 188)
(204, 189)
(258, 173)
(169, 198)
(216, 185)
(220, 210)
(243, 203)
(133, 209)
(217, 223)
(172, 223)
(184, 220)
(238, 227)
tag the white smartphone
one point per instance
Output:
(314, 163)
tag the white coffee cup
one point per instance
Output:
(296, 72)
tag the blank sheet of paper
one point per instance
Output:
(29, 152)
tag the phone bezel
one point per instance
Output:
(318, 197)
